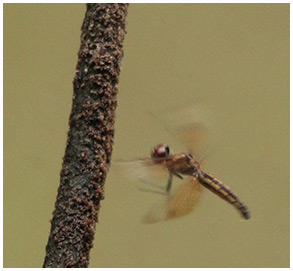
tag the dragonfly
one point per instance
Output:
(164, 164)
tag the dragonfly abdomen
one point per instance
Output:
(223, 191)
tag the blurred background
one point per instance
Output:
(231, 59)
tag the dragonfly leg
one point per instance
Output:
(177, 175)
(169, 184)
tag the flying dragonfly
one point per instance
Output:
(167, 166)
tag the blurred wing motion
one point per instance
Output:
(194, 137)
(189, 125)
(178, 204)
(184, 200)
(159, 172)
(143, 171)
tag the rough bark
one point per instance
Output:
(90, 137)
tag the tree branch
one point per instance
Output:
(90, 137)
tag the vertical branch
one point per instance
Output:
(90, 137)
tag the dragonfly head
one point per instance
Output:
(160, 151)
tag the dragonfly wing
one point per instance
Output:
(184, 200)
(143, 171)
(194, 137)
(178, 204)
(189, 125)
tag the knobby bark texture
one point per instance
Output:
(90, 137)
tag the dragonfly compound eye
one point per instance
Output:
(160, 151)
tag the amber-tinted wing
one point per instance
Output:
(178, 204)
(183, 201)
(189, 125)
(194, 137)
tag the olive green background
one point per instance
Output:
(232, 59)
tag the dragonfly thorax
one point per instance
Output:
(183, 163)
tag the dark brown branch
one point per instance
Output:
(90, 137)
